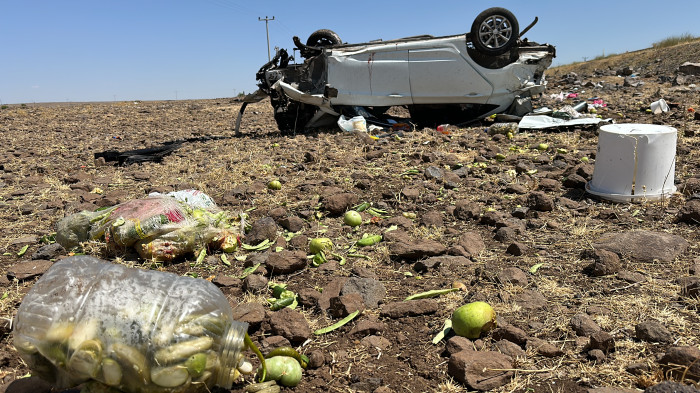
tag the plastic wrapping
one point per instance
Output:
(136, 330)
(159, 227)
(357, 123)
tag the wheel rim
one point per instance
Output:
(495, 31)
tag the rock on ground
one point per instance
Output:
(653, 331)
(337, 204)
(643, 246)
(584, 325)
(29, 270)
(285, 262)
(262, 229)
(416, 249)
(480, 370)
(409, 308)
(671, 387)
(371, 291)
(677, 359)
(290, 324)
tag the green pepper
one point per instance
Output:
(369, 240)
(290, 352)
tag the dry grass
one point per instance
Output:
(674, 40)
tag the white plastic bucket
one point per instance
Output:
(634, 163)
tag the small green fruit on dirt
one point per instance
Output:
(320, 244)
(283, 369)
(542, 146)
(274, 185)
(352, 218)
(472, 319)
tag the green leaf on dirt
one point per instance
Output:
(278, 304)
(48, 239)
(282, 297)
(337, 324)
(361, 207)
(369, 240)
(224, 260)
(431, 293)
(535, 267)
(241, 258)
(441, 334)
(318, 259)
(340, 257)
(249, 270)
(23, 250)
(201, 256)
(263, 245)
(277, 289)
(377, 212)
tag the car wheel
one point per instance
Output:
(322, 38)
(495, 31)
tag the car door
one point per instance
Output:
(374, 76)
(441, 72)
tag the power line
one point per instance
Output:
(232, 6)
(267, 32)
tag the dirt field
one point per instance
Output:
(482, 205)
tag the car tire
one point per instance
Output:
(323, 38)
(495, 31)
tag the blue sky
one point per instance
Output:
(101, 50)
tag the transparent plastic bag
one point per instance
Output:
(193, 198)
(159, 227)
(136, 330)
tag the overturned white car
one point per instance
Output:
(449, 79)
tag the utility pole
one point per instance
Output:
(267, 31)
